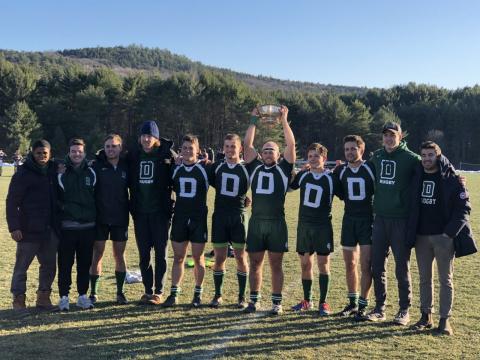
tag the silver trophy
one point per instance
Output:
(269, 114)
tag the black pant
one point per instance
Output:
(151, 231)
(390, 233)
(79, 244)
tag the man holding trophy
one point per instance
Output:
(267, 230)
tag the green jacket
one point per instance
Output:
(393, 172)
(77, 193)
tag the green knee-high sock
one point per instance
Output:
(307, 289)
(324, 280)
(353, 298)
(94, 283)
(120, 277)
(362, 303)
(218, 281)
(242, 283)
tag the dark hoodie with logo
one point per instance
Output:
(454, 203)
(111, 192)
(32, 201)
(149, 178)
(393, 172)
(77, 193)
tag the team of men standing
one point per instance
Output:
(77, 206)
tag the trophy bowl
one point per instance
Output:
(269, 114)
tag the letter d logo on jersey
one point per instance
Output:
(428, 189)
(388, 168)
(146, 170)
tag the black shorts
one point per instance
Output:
(114, 233)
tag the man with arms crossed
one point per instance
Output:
(267, 229)
(111, 196)
(357, 188)
(229, 221)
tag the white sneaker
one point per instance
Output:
(64, 304)
(84, 302)
(276, 309)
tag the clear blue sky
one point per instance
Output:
(353, 42)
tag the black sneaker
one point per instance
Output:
(197, 301)
(402, 317)
(216, 302)
(171, 301)
(242, 303)
(350, 309)
(93, 298)
(361, 315)
(121, 299)
(376, 315)
(251, 308)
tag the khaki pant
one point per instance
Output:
(440, 248)
(46, 253)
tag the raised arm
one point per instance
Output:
(249, 153)
(289, 153)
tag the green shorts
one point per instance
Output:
(355, 231)
(228, 228)
(315, 238)
(192, 229)
(271, 235)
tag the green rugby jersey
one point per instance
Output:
(269, 185)
(316, 195)
(190, 183)
(358, 186)
(231, 182)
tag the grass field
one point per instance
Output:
(133, 331)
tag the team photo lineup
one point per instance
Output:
(62, 213)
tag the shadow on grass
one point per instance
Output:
(181, 332)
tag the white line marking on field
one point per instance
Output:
(220, 346)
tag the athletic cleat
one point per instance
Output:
(303, 305)
(216, 302)
(84, 302)
(324, 309)
(156, 299)
(360, 315)
(242, 303)
(251, 308)
(402, 317)
(171, 301)
(376, 315)
(145, 299)
(64, 304)
(93, 298)
(197, 301)
(277, 309)
(121, 299)
(349, 310)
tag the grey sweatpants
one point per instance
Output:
(390, 233)
(46, 253)
(438, 247)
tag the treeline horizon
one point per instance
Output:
(60, 101)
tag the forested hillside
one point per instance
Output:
(90, 92)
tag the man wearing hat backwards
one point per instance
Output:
(149, 166)
(31, 217)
